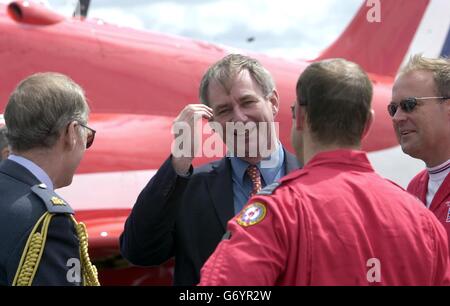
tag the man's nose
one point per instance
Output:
(239, 115)
(399, 115)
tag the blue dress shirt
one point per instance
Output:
(242, 185)
(34, 169)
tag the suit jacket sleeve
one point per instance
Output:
(148, 236)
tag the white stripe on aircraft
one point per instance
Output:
(432, 32)
(119, 190)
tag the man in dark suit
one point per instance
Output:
(183, 212)
(40, 242)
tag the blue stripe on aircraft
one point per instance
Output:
(446, 48)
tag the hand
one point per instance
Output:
(187, 132)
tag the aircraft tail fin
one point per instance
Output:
(385, 33)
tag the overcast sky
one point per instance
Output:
(288, 28)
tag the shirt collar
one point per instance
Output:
(268, 167)
(341, 156)
(34, 169)
(441, 168)
(439, 172)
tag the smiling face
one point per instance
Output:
(243, 102)
(423, 133)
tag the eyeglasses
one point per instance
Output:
(90, 136)
(407, 105)
(293, 111)
(293, 107)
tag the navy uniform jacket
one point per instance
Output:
(182, 217)
(20, 208)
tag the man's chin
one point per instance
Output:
(252, 152)
(410, 149)
(244, 154)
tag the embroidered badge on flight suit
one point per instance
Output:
(252, 214)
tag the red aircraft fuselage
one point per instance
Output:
(136, 83)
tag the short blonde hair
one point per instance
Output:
(440, 67)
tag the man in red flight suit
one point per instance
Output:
(422, 124)
(334, 222)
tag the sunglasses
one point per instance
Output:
(293, 107)
(293, 111)
(90, 136)
(407, 105)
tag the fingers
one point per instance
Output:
(195, 110)
(187, 131)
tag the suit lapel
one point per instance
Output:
(221, 191)
(18, 172)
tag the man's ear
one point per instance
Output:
(448, 107)
(4, 153)
(368, 123)
(71, 135)
(300, 118)
(275, 102)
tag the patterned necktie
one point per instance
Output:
(255, 177)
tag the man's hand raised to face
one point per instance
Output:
(187, 125)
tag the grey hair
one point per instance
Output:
(229, 67)
(40, 107)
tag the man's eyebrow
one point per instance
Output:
(243, 98)
(401, 100)
(248, 97)
(220, 106)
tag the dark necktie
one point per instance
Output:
(255, 177)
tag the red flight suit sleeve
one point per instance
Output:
(255, 254)
(442, 270)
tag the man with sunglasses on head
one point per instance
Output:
(420, 111)
(41, 243)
